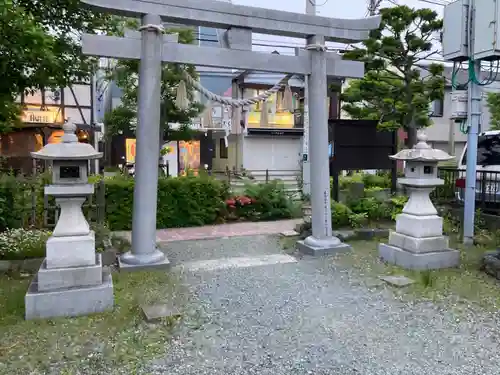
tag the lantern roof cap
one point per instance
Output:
(422, 151)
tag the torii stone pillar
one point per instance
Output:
(322, 241)
(144, 251)
(240, 21)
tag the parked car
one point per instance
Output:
(487, 170)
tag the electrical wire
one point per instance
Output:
(487, 81)
(454, 73)
(314, 3)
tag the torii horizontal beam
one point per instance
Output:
(130, 48)
(217, 14)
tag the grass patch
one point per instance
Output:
(465, 284)
(289, 243)
(92, 344)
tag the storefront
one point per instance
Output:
(179, 157)
(42, 116)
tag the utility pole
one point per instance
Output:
(306, 164)
(473, 118)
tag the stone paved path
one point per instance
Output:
(222, 230)
(309, 316)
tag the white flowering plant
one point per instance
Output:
(19, 243)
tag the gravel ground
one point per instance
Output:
(312, 317)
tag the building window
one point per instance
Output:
(223, 154)
(437, 108)
(214, 149)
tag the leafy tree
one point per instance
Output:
(39, 48)
(493, 103)
(398, 86)
(124, 117)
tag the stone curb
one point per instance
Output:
(361, 234)
(33, 265)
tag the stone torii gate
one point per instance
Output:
(153, 48)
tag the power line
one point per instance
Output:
(314, 3)
(436, 2)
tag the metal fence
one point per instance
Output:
(258, 175)
(453, 190)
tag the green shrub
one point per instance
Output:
(17, 195)
(340, 214)
(10, 215)
(382, 180)
(358, 220)
(182, 202)
(18, 244)
(374, 209)
(102, 236)
(397, 205)
(269, 201)
(345, 181)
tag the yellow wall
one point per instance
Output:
(281, 119)
(219, 164)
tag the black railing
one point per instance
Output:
(453, 190)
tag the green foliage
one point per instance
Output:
(9, 216)
(393, 90)
(345, 181)
(22, 201)
(340, 215)
(124, 117)
(493, 103)
(40, 48)
(427, 279)
(374, 209)
(382, 180)
(102, 236)
(397, 203)
(182, 202)
(358, 220)
(18, 244)
(260, 202)
(360, 212)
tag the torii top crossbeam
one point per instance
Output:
(212, 13)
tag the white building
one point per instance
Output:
(445, 133)
(275, 145)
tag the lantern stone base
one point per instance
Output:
(68, 292)
(419, 226)
(71, 251)
(423, 261)
(419, 253)
(320, 247)
(70, 277)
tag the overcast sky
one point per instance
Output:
(331, 8)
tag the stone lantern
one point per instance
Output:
(418, 242)
(71, 280)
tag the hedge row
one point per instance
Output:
(182, 202)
